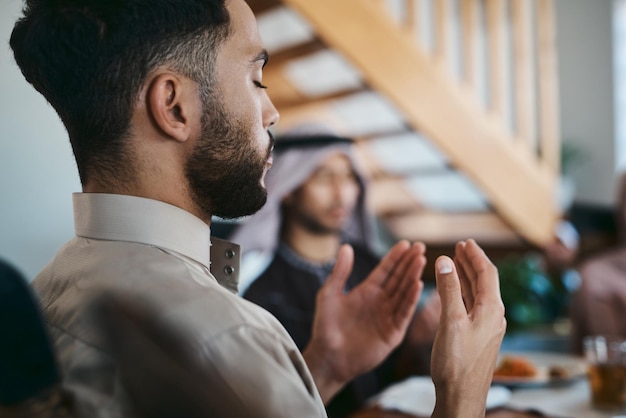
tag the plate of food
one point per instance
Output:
(535, 369)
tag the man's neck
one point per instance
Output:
(317, 248)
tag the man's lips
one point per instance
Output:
(338, 212)
(270, 150)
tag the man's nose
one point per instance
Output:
(270, 113)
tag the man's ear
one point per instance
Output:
(171, 103)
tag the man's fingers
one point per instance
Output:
(449, 288)
(487, 282)
(463, 270)
(386, 267)
(408, 275)
(405, 306)
(336, 281)
(410, 267)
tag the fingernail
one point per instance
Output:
(444, 265)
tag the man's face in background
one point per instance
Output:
(324, 203)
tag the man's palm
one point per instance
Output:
(360, 328)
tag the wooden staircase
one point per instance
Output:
(484, 91)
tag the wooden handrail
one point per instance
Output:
(498, 154)
(548, 85)
(499, 98)
(524, 65)
(442, 38)
(521, 81)
(469, 15)
(411, 21)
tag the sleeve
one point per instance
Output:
(264, 373)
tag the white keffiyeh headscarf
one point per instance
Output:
(296, 157)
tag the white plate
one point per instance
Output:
(574, 367)
(416, 396)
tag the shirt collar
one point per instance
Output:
(146, 221)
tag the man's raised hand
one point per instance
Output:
(353, 332)
(470, 332)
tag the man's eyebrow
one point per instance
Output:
(262, 56)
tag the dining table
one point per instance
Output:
(575, 404)
(546, 397)
(377, 412)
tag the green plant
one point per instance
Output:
(529, 295)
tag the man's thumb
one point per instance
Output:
(449, 287)
(337, 279)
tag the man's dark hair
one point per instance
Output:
(90, 58)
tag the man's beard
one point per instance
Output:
(311, 223)
(317, 228)
(225, 169)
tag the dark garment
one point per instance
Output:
(28, 368)
(287, 289)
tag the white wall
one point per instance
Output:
(619, 68)
(37, 170)
(586, 77)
